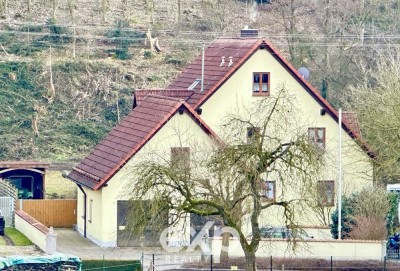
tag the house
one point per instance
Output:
(237, 71)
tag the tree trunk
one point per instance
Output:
(225, 243)
(250, 261)
(104, 9)
(55, 6)
(152, 12)
(3, 7)
(71, 7)
(179, 11)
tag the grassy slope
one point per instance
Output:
(59, 187)
(88, 87)
(83, 110)
(17, 237)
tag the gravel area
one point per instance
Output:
(20, 251)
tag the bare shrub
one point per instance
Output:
(369, 228)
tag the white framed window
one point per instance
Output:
(268, 191)
(326, 193)
(317, 136)
(90, 216)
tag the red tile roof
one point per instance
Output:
(128, 137)
(242, 49)
(352, 122)
(215, 73)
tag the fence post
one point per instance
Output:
(384, 263)
(271, 263)
(211, 262)
(153, 263)
(103, 262)
(331, 263)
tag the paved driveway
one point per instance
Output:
(71, 242)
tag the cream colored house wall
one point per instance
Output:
(180, 131)
(94, 215)
(235, 96)
(318, 249)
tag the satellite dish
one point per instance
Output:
(305, 73)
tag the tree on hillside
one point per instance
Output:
(3, 7)
(376, 99)
(264, 169)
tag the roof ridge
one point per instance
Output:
(162, 89)
(163, 98)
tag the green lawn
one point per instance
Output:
(17, 237)
(110, 265)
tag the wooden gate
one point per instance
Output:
(58, 213)
(126, 235)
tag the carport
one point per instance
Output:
(27, 176)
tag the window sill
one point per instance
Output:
(261, 93)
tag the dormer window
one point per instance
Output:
(261, 83)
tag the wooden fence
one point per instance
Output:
(57, 213)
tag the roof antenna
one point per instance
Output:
(230, 61)
(222, 61)
(304, 72)
(202, 69)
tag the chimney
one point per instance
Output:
(248, 33)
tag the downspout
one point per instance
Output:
(84, 209)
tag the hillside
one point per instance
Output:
(68, 68)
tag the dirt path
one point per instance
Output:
(9, 242)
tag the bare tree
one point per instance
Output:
(104, 7)
(376, 99)
(230, 181)
(3, 7)
(54, 4)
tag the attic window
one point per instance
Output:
(326, 193)
(195, 83)
(253, 135)
(317, 136)
(180, 159)
(261, 83)
(268, 190)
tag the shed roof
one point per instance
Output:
(128, 137)
(23, 164)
